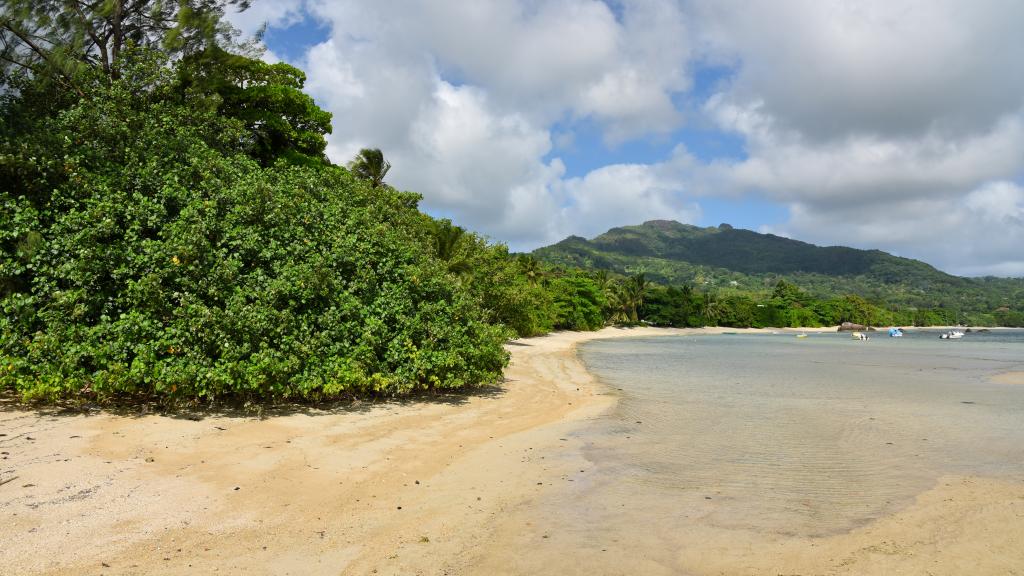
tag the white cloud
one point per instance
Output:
(623, 194)
(880, 124)
(859, 168)
(462, 97)
(480, 164)
(277, 13)
(831, 68)
(978, 234)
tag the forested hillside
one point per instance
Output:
(728, 259)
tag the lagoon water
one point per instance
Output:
(773, 434)
(815, 434)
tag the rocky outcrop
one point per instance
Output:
(851, 327)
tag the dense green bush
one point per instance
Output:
(577, 303)
(511, 292)
(144, 253)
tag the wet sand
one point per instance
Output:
(1014, 378)
(417, 487)
(961, 526)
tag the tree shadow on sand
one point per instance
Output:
(235, 408)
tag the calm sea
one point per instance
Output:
(802, 435)
(718, 442)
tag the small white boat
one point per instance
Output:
(859, 336)
(952, 335)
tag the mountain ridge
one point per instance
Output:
(723, 256)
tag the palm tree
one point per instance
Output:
(531, 268)
(618, 303)
(711, 308)
(447, 240)
(370, 165)
(635, 290)
(608, 290)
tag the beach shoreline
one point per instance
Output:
(404, 487)
(390, 486)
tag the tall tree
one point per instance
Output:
(710, 309)
(448, 240)
(62, 38)
(370, 165)
(283, 120)
(530, 268)
(635, 290)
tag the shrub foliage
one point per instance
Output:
(146, 253)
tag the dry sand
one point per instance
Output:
(416, 487)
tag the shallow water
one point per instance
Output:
(806, 435)
(776, 435)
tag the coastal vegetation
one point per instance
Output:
(736, 275)
(173, 231)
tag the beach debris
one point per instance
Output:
(424, 539)
(11, 479)
(150, 459)
(399, 507)
(967, 402)
(417, 481)
(238, 487)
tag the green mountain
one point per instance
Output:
(727, 258)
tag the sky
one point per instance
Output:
(892, 124)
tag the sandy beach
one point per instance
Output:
(407, 487)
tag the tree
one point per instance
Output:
(163, 262)
(60, 39)
(710, 309)
(670, 307)
(284, 122)
(448, 238)
(530, 268)
(578, 303)
(789, 295)
(634, 291)
(370, 165)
